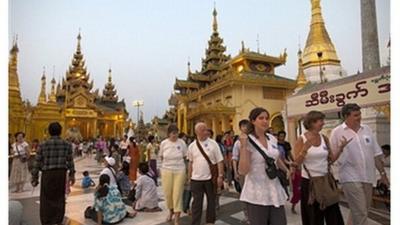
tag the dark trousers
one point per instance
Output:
(199, 188)
(52, 196)
(313, 215)
(266, 215)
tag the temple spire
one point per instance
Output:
(52, 97)
(42, 95)
(109, 92)
(215, 23)
(301, 78)
(318, 40)
(215, 53)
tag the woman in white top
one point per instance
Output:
(265, 198)
(19, 170)
(173, 172)
(312, 150)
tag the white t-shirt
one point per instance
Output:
(110, 174)
(357, 161)
(173, 154)
(236, 150)
(258, 188)
(123, 144)
(201, 169)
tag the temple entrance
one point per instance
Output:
(82, 126)
(277, 124)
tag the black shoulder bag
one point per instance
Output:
(271, 169)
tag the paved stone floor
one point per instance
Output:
(229, 213)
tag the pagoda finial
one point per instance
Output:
(109, 75)
(215, 23)
(188, 64)
(78, 48)
(42, 95)
(258, 43)
(243, 48)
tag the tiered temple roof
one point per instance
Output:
(109, 92)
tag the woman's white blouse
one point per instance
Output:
(258, 189)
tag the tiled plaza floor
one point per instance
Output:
(78, 200)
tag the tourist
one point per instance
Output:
(123, 179)
(146, 197)
(21, 154)
(312, 151)
(53, 159)
(100, 146)
(152, 156)
(244, 126)
(123, 146)
(265, 198)
(228, 144)
(173, 172)
(87, 180)
(357, 162)
(200, 176)
(134, 155)
(219, 141)
(109, 163)
(116, 156)
(34, 146)
(108, 206)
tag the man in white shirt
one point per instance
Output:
(109, 170)
(199, 174)
(357, 162)
(123, 146)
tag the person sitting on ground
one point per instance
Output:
(109, 163)
(146, 191)
(123, 179)
(108, 205)
(87, 180)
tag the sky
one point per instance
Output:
(147, 44)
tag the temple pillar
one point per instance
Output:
(224, 124)
(185, 126)
(291, 130)
(214, 125)
(369, 36)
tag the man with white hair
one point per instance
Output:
(199, 173)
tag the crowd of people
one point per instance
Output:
(258, 162)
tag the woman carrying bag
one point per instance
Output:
(19, 171)
(319, 193)
(262, 192)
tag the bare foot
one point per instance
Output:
(169, 217)
(131, 215)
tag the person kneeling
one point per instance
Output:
(146, 191)
(108, 206)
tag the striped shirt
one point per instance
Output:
(55, 153)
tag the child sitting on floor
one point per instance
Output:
(87, 181)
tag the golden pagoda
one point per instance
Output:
(81, 111)
(320, 61)
(301, 80)
(226, 88)
(16, 109)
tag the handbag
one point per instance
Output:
(270, 167)
(213, 167)
(323, 189)
(22, 158)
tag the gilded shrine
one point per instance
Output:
(227, 88)
(71, 102)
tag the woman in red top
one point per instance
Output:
(133, 152)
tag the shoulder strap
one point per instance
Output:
(112, 171)
(202, 152)
(255, 145)
(326, 140)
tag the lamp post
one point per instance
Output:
(319, 54)
(138, 104)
